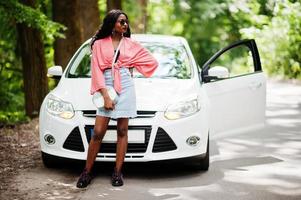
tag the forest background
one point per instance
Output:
(37, 34)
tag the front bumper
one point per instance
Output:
(164, 139)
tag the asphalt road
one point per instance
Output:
(264, 164)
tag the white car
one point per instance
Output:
(178, 107)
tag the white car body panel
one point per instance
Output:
(241, 100)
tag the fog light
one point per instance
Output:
(49, 139)
(193, 140)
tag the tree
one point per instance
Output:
(90, 17)
(113, 4)
(34, 64)
(138, 15)
(25, 23)
(142, 21)
(81, 19)
(67, 13)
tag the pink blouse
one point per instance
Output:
(132, 54)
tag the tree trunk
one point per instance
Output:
(113, 4)
(34, 66)
(141, 20)
(67, 13)
(89, 15)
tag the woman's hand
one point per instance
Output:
(109, 104)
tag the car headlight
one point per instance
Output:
(57, 107)
(182, 109)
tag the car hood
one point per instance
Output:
(151, 94)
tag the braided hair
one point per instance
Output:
(108, 25)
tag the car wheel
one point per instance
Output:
(49, 161)
(204, 162)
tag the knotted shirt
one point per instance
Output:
(132, 54)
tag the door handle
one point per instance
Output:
(255, 85)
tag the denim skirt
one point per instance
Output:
(125, 106)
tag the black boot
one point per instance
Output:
(117, 178)
(84, 179)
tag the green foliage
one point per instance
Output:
(11, 90)
(279, 40)
(20, 13)
(11, 96)
(206, 24)
(210, 25)
(133, 11)
(10, 118)
(12, 12)
(163, 18)
(102, 6)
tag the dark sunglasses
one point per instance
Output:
(123, 21)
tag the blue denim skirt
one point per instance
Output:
(125, 106)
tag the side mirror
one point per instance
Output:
(215, 73)
(55, 72)
(219, 72)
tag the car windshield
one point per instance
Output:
(173, 62)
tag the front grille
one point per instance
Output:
(145, 114)
(74, 141)
(163, 142)
(140, 113)
(132, 147)
(89, 113)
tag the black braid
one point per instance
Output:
(108, 25)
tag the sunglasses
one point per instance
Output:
(122, 22)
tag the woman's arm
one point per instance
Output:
(143, 60)
(97, 77)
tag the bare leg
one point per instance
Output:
(100, 128)
(122, 142)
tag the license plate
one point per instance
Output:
(134, 136)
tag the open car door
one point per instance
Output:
(236, 88)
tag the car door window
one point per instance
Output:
(238, 61)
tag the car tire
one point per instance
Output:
(49, 161)
(205, 161)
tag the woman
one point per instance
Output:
(114, 32)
